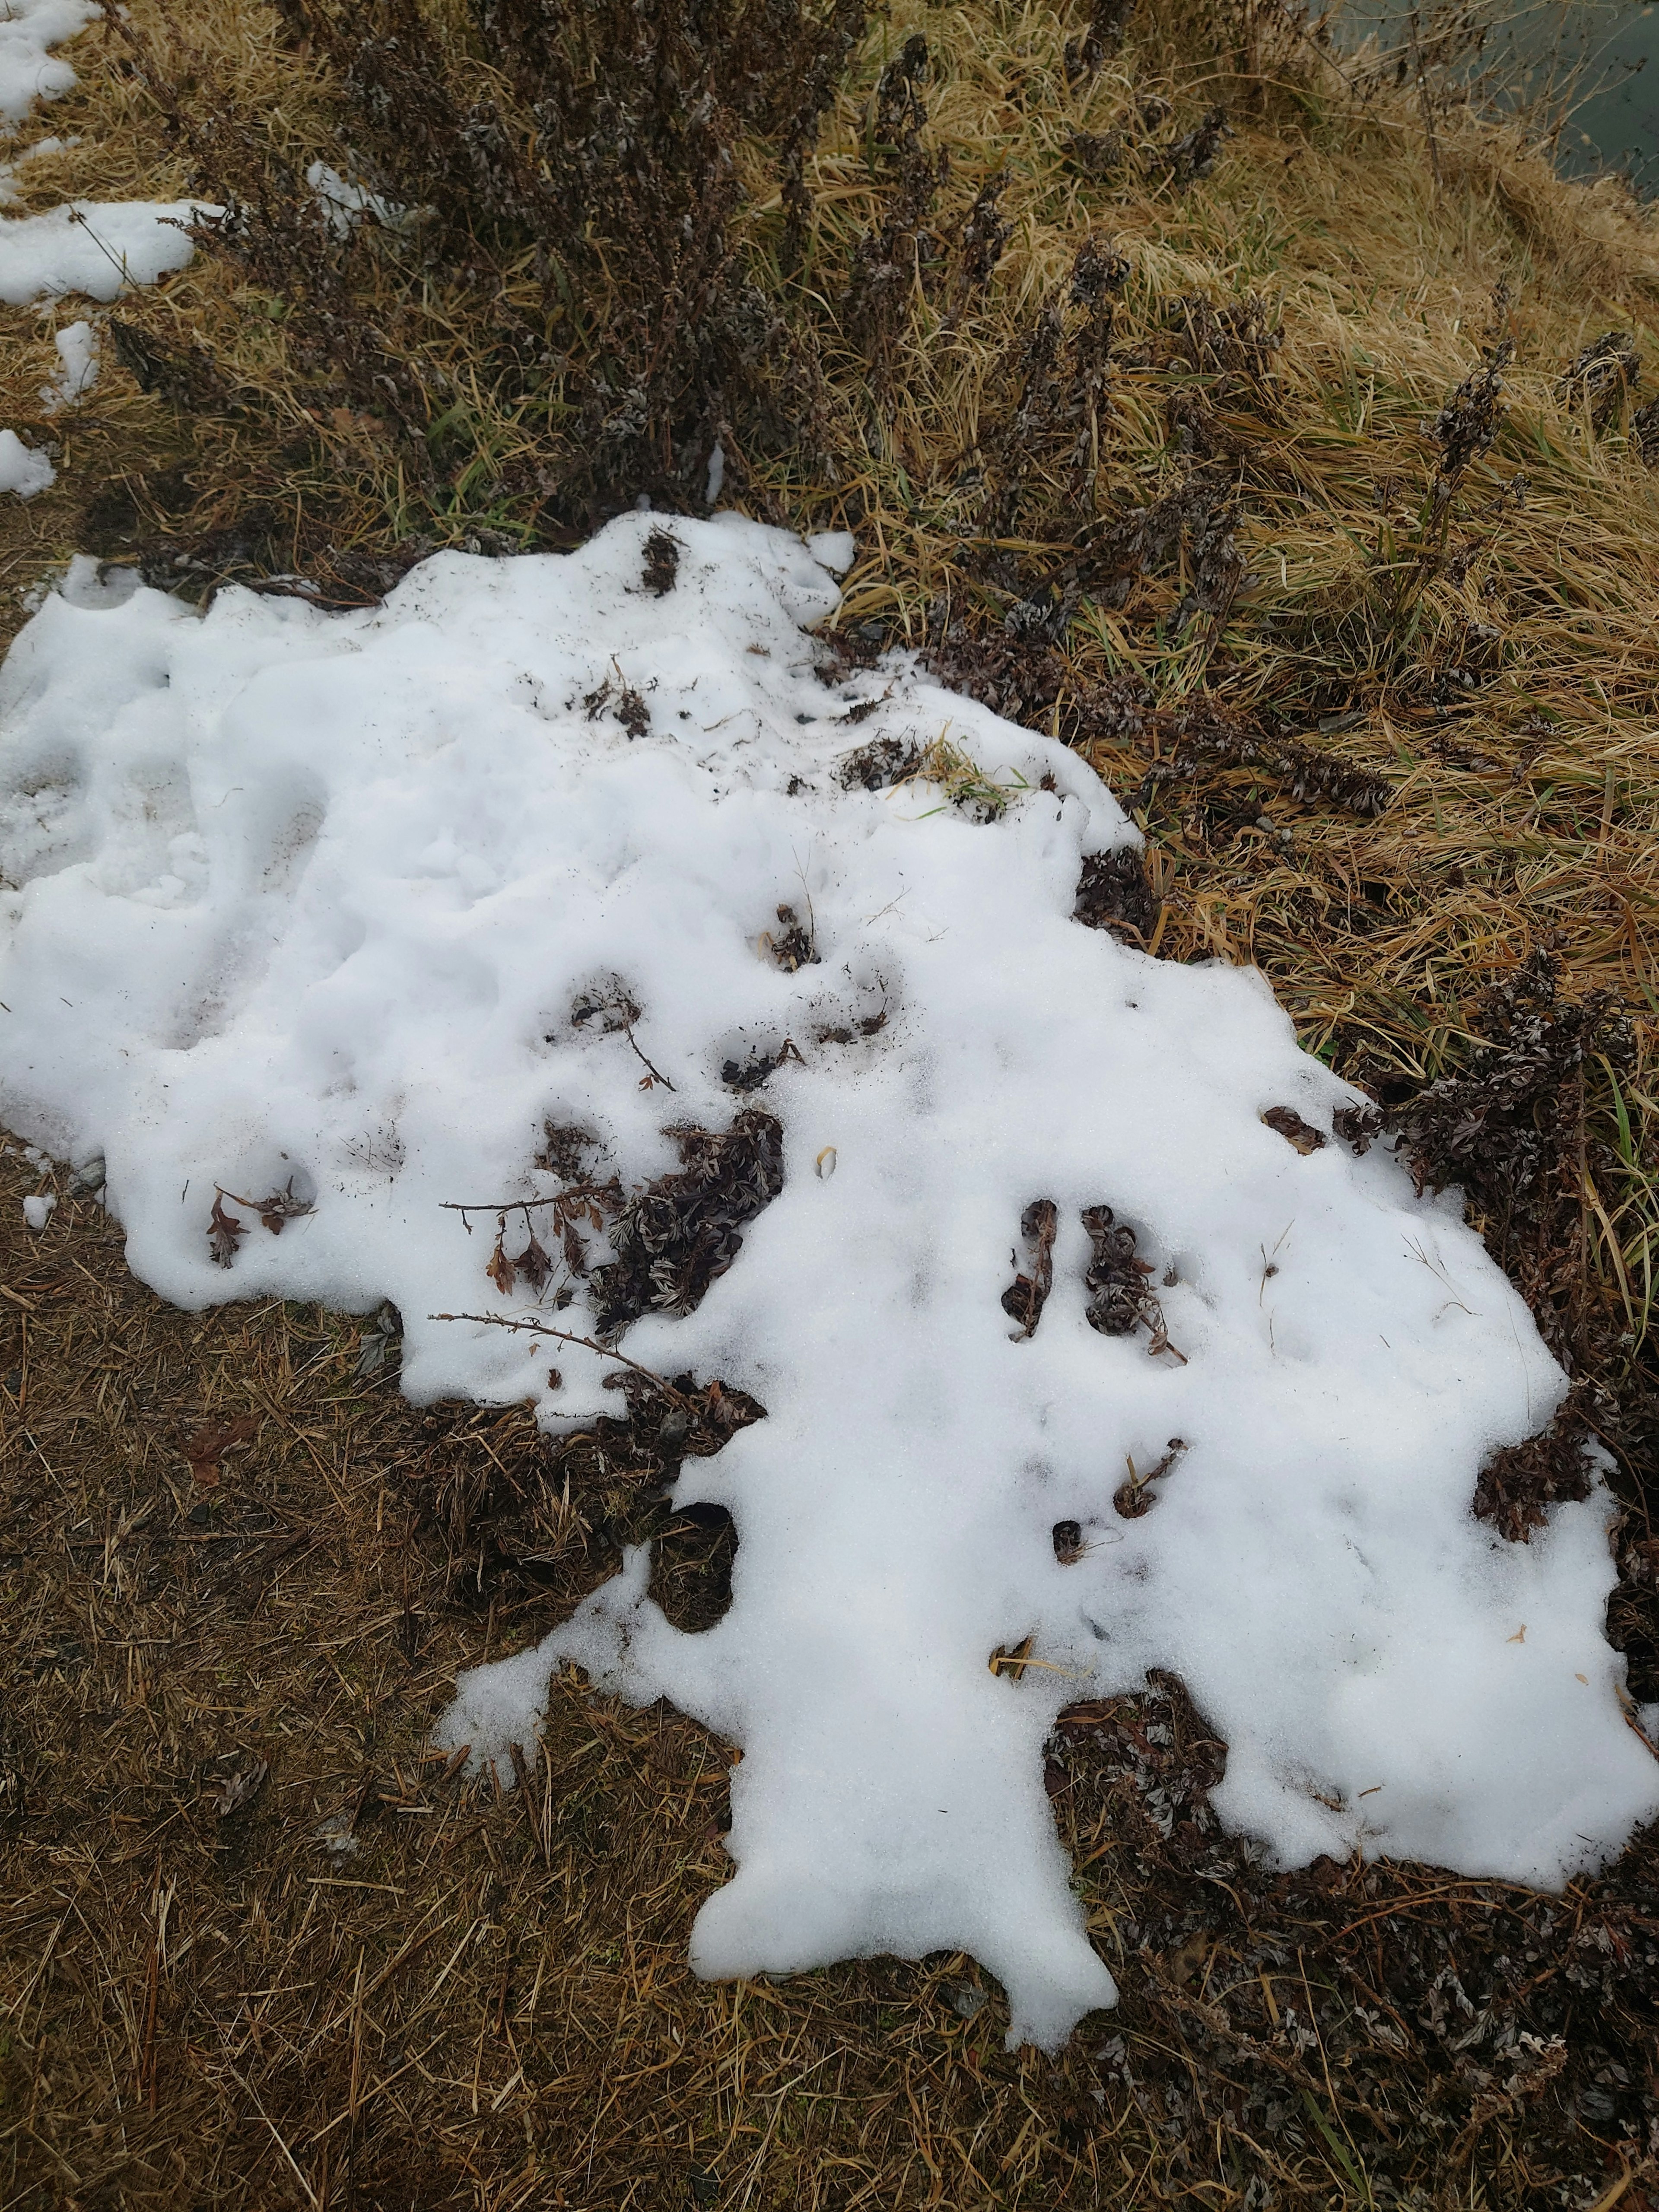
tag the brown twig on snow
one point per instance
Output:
(566, 1336)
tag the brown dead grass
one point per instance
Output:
(486, 2003)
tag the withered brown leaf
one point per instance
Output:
(240, 1789)
(225, 1233)
(500, 1270)
(1290, 1125)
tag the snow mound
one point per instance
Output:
(100, 247)
(28, 70)
(22, 468)
(581, 868)
(77, 367)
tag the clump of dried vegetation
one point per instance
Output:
(1270, 423)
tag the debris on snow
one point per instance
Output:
(389, 915)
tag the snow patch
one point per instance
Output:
(77, 367)
(343, 205)
(100, 248)
(29, 70)
(349, 908)
(22, 468)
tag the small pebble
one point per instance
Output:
(37, 1211)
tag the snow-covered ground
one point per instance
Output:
(100, 248)
(339, 915)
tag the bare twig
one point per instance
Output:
(655, 1073)
(565, 1336)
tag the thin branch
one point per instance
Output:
(494, 1205)
(656, 1074)
(565, 1336)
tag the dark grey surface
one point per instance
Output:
(1619, 125)
(1593, 65)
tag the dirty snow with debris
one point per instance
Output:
(339, 914)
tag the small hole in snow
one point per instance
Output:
(1068, 1542)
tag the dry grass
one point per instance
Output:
(486, 2003)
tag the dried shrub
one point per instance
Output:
(1286, 1123)
(1119, 1282)
(1114, 893)
(1601, 377)
(662, 563)
(1303, 771)
(875, 766)
(1108, 21)
(1469, 423)
(675, 1235)
(1026, 1296)
(1510, 1130)
(892, 257)
(1517, 1485)
(1195, 152)
(605, 147)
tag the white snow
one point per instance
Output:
(22, 469)
(28, 70)
(323, 892)
(100, 247)
(834, 550)
(343, 205)
(77, 367)
(38, 1210)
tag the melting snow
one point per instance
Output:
(343, 204)
(24, 469)
(77, 367)
(349, 908)
(100, 247)
(28, 70)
